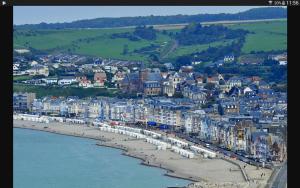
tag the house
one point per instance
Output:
(249, 92)
(228, 58)
(22, 51)
(23, 101)
(119, 76)
(186, 69)
(152, 88)
(190, 79)
(50, 81)
(111, 69)
(242, 131)
(265, 93)
(97, 61)
(196, 62)
(16, 66)
(78, 108)
(194, 93)
(94, 109)
(68, 80)
(33, 63)
(225, 88)
(86, 83)
(164, 75)
(99, 79)
(34, 82)
(259, 144)
(165, 112)
(168, 88)
(38, 70)
(130, 84)
(213, 80)
(234, 92)
(80, 77)
(230, 107)
(152, 85)
(234, 81)
(199, 79)
(55, 65)
(169, 66)
(192, 121)
(277, 148)
(283, 62)
(37, 106)
(255, 79)
(264, 85)
(172, 84)
(156, 70)
(281, 58)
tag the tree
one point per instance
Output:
(270, 62)
(209, 86)
(125, 49)
(209, 71)
(153, 57)
(222, 82)
(144, 32)
(182, 61)
(220, 110)
(275, 147)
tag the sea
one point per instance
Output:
(47, 160)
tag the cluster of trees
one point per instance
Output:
(182, 61)
(140, 32)
(217, 53)
(211, 54)
(147, 33)
(252, 14)
(127, 35)
(271, 73)
(147, 49)
(195, 33)
(42, 91)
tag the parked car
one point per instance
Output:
(247, 156)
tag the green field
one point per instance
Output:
(183, 50)
(267, 36)
(42, 91)
(22, 78)
(100, 44)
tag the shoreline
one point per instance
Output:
(200, 172)
(125, 152)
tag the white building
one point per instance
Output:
(67, 81)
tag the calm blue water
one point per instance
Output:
(45, 160)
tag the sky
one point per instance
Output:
(55, 14)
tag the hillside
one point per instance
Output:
(252, 14)
(263, 36)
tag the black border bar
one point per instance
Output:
(141, 2)
(6, 133)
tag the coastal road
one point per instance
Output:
(281, 178)
(219, 149)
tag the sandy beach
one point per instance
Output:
(206, 172)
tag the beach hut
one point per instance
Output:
(206, 153)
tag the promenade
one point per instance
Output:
(197, 169)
